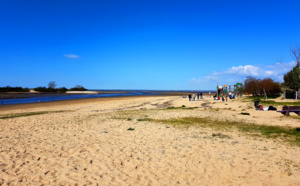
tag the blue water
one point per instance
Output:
(69, 97)
(49, 98)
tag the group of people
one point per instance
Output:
(192, 97)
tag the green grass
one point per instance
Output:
(16, 115)
(183, 107)
(220, 135)
(271, 102)
(287, 134)
(143, 119)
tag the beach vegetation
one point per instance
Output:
(287, 134)
(182, 107)
(143, 119)
(45, 89)
(220, 135)
(24, 114)
(78, 88)
(245, 113)
(13, 89)
(282, 133)
(272, 102)
(292, 79)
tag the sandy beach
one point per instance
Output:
(155, 140)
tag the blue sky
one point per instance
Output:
(161, 45)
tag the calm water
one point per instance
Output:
(49, 98)
(66, 97)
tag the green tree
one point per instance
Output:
(292, 78)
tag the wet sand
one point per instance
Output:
(111, 141)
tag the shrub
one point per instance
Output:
(78, 88)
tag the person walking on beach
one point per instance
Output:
(198, 95)
(226, 98)
(201, 95)
(194, 96)
(190, 97)
(209, 94)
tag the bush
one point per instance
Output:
(62, 89)
(13, 89)
(78, 88)
(44, 89)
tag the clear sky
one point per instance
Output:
(145, 44)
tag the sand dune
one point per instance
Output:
(89, 143)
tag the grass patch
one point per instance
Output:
(220, 135)
(245, 113)
(271, 102)
(143, 119)
(183, 107)
(287, 134)
(16, 115)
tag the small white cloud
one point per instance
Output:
(195, 80)
(211, 77)
(248, 70)
(269, 73)
(71, 56)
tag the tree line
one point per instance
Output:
(51, 88)
(291, 80)
(260, 87)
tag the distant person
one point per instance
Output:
(226, 98)
(190, 97)
(201, 95)
(209, 94)
(198, 95)
(194, 96)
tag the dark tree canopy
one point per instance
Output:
(292, 79)
(78, 88)
(258, 87)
